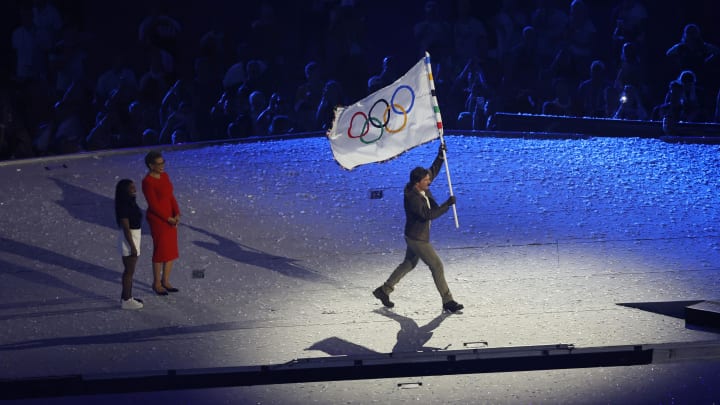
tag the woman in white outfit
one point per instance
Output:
(129, 218)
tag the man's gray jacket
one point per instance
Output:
(417, 212)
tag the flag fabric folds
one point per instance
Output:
(388, 122)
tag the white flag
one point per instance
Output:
(388, 122)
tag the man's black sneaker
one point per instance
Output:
(380, 294)
(452, 306)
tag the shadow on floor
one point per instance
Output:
(244, 254)
(676, 309)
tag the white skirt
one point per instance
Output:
(124, 246)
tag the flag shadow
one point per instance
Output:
(675, 309)
(85, 205)
(244, 254)
(411, 338)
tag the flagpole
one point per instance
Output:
(438, 118)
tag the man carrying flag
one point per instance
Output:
(420, 209)
(383, 125)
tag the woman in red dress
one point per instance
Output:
(163, 215)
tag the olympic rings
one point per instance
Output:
(386, 119)
(386, 114)
(371, 121)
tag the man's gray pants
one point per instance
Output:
(416, 251)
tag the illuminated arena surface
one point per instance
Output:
(560, 242)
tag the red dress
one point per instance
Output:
(161, 206)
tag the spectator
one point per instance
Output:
(479, 78)
(387, 75)
(434, 32)
(482, 114)
(211, 55)
(66, 132)
(160, 34)
(234, 76)
(550, 22)
(692, 52)
(469, 33)
(564, 66)
(267, 42)
(692, 97)
(15, 140)
(592, 94)
(236, 113)
(672, 109)
(632, 72)
(68, 60)
(145, 111)
(27, 50)
(509, 23)
(464, 121)
(281, 124)
(561, 103)
(523, 72)
(111, 80)
(630, 106)
(114, 126)
(345, 49)
(156, 74)
(48, 23)
(34, 103)
(257, 78)
(276, 106)
(307, 98)
(630, 18)
(180, 92)
(581, 33)
(180, 126)
(305, 117)
(206, 86)
(471, 84)
(258, 102)
(331, 98)
(481, 85)
(311, 89)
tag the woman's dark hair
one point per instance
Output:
(122, 197)
(151, 157)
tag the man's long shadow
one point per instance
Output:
(245, 254)
(410, 338)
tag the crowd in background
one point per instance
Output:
(266, 76)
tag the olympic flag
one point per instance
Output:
(388, 122)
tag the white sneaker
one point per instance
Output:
(131, 303)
